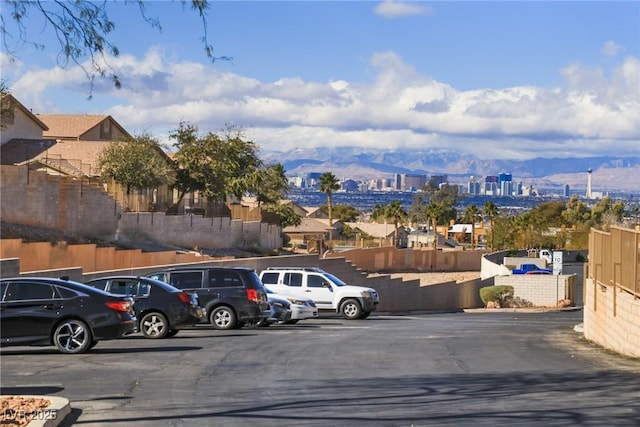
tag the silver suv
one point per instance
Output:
(325, 289)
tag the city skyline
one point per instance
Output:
(505, 80)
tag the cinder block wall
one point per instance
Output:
(612, 318)
(77, 207)
(544, 290)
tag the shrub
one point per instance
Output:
(580, 257)
(503, 295)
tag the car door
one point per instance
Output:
(319, 289)
(291, 285)
(29, 311)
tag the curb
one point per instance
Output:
(53, 415)
(520, 310)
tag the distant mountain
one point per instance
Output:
(609, 173)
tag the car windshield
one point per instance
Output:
(335, 280)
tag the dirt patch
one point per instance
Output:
(18, 411)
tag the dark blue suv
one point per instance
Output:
(232, 296)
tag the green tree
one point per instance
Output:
(272, 184)
(136, 163)
(216, 165)
(471, 213)
(82, 30)
(6, 105)
(344, 213)
(490, 210)
(328, 183)
(288, 217)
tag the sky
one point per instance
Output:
(499, 80)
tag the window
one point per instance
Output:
(186, 280)
(28, 291)
(315, 281)
(293, 279)
(67, 293)
(270, 278)
(223, 279)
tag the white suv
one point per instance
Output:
(325, 289)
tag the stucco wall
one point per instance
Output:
(389, 258)
(612, 318)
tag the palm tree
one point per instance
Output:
(471, 214)
(328, 183)
(434, 211)
(491, 210)
(391, 211)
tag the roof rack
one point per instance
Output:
(315, 269)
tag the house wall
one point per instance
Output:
(389, 258)
(95, 134)
(542, 290)
(23, 127)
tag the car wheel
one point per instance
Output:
(93, 344)
(172, 333)
(351, 309)
(365, 314)
(154, 325)
(223, 318)
(72, 336)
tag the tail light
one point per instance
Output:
(252, 295)
(123, 306)
(184, 297)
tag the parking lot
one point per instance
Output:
(430, 369)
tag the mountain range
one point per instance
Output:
(608, 173)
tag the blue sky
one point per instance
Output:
(496, 79)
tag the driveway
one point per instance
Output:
(458, 369)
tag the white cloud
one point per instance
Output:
(610, 48)
(592, 113)
(396, 9)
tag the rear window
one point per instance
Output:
(186, 279)
(224, 279)
(270, 278)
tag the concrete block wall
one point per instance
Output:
(543, 290)
(195, 231)
(612, 318)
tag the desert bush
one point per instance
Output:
(503, 295)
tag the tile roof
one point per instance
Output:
(69, 125)
(309, 225)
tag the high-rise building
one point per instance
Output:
(506, 188)
(589, 194)
(566, 190)
(412, 182)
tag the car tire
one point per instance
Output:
(172, 333)
(365, 314)
(351, 309)
(72, 336)
(154, 325)
(290, 322)
(223, 318)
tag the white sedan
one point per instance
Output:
(300, 308)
